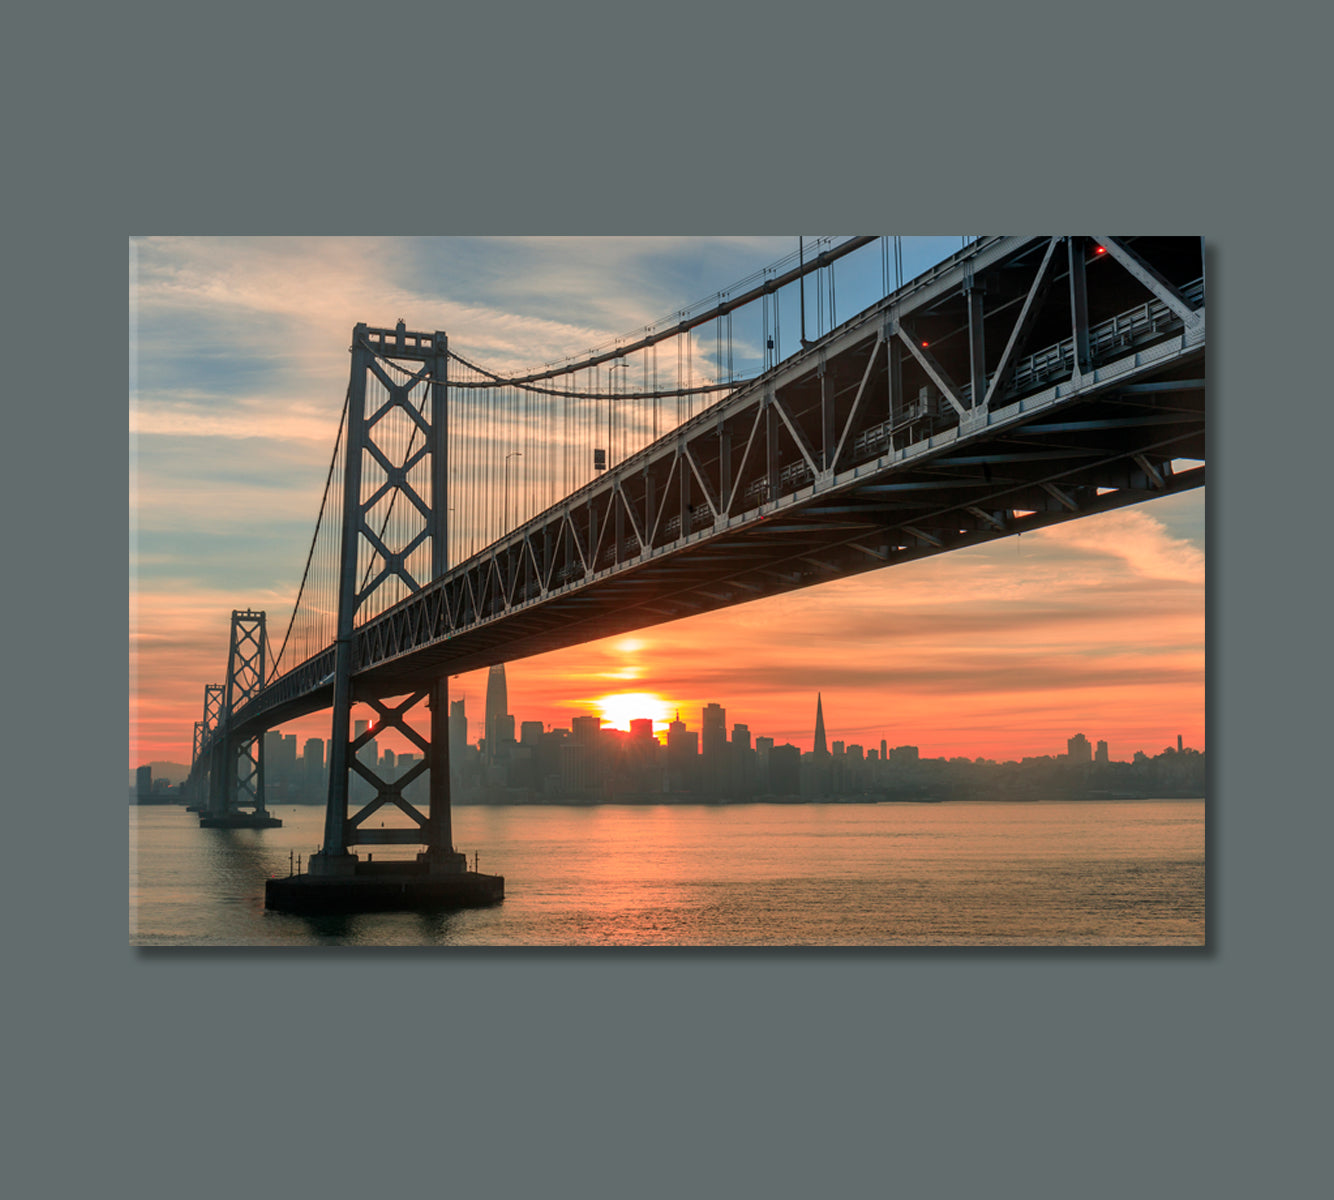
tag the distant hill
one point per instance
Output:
(170, 771)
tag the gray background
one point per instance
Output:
(644, 1074)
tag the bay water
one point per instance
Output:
(1080, 873)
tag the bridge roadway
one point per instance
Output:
(865, 450)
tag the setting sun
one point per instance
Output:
(620, 709)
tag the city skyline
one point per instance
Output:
(526, 763)
(238, 366)
(478, 733)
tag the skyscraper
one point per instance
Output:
(682, 756)
(821, 746)
(458, 727)
(312, 758)
(713, 747)
(715, 728)
(458, 743)
(498, 723)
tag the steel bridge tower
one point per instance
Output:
(397, 457)
(197, 785)
(236, 765)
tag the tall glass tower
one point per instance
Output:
(499, 727)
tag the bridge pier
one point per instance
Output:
(338, 881)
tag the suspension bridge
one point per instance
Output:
(472, 516)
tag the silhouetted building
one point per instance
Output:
(458, 746)
(313, 783)
(581, 768)
(275, 773)
(904, 754)
(821, 748)
(740, 776)
(1078, 749)
(763, 748)
(713, 750)
(639, 770)
(416, 791)
(1100, 754)
(458, 726)
(682, 757)
(499, 724)
(287, 752)
(530, 733)
(785, 770)
(715, 729)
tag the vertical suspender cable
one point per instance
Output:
(718, 344)
(690, 374)
(679, 350)
(819, 300)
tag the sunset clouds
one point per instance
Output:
(239, 363)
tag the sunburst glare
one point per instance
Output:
(620, 708)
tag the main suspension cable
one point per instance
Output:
(333, 462)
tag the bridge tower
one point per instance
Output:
(197, 785)
(236, 765)
(194, 781)
(394, 543)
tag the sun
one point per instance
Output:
(620, 708)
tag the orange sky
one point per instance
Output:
(1095, 626)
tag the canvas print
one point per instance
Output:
(811, 591)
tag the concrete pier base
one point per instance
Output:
(239, 820)
(392, 886)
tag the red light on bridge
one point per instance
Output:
(1099, 250)
(925, 345)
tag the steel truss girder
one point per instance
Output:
(709, 493)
